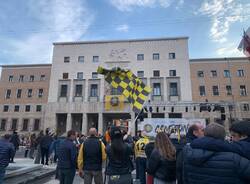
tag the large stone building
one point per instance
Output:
(23, 97)
(78, 95)
(225, 81)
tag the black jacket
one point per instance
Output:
(149, 148)
(214, 167)
(15, 140)
(161, 168)
(92, 158)
(46, 141)
(178, 145)
(6, 152)
(119, 167)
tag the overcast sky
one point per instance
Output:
(29, 27)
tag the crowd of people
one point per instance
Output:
(201, 156)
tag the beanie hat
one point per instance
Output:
(115, 132)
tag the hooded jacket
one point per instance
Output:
(205, 166)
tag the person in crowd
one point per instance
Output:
(7, 152)
(137, 136)
(119, 156)
(179, 143)
(240, 132)
(141, 158)
(91, 155)
(54, 147)
(16, 142)
(194, 131)
(32, 145)
(128, 139)
(45, 143)
(106, 137)
(205, 166)
(67, 159)
(38, 148)
(148, 150)
(162, 161)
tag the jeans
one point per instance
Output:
(2, 174)
(38, 155)
(89, 175)
(141, 164)
(158, 181)
(66, 176)
(45, 153)
(31, 153)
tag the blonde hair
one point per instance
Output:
(165, 146)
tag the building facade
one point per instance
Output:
(23, 97)
(225, 81)
(78, 96)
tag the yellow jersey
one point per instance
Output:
(140, 147)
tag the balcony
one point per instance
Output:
(78, 99)
(93, 98)
(174, 98)
(63, 99)
(157, 98)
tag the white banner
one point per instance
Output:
(151, 126)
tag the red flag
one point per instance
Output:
(245, 43)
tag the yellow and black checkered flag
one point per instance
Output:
(128, 84)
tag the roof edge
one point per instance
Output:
(116, 41)
(25, 65)
(219, 59)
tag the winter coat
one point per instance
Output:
(161, 168)
(46, 141)
(15, 141)
(205, 166)
(6, 152)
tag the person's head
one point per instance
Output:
(196, 130)
(240, 130)
(215, 130)
(92, 132)
(14, 132)
(71, 134)
(139, 133)
(7, 137)
(47, 131)
(165, 146)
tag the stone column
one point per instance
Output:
(132, 124)
(100, 123)
(84, 124)
(69, 122)
(86, 93)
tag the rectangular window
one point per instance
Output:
(240, 73)
(66, 59)
(157, 89)
(64, 90)
(215, 90)
(3, 125)
(226, 73)
(156, 56)
(156, 73)
(36, 124)
(42, 78)
(25, 124)
(140, 57)
(8, 94)
(38, 108)
(243, 90)
(213, 73)
(229, 90)
(27, 108)
(200, 73)
(21, 77)
(78, 91)
(172, 73)
(65, 75)
(19, 93)
(40, 93)
(140, 74)
(245, 107)
(79, 75)
(173, 89)
(95, 59)
(81, 59)
(29, 93)
(11, 78)
(202, 90)
(5, 108)
(16, 108)
(93, 90)
(171, 55)
(32, 78)
(14, 124)
(94, 75)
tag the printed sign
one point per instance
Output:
(151, 126)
